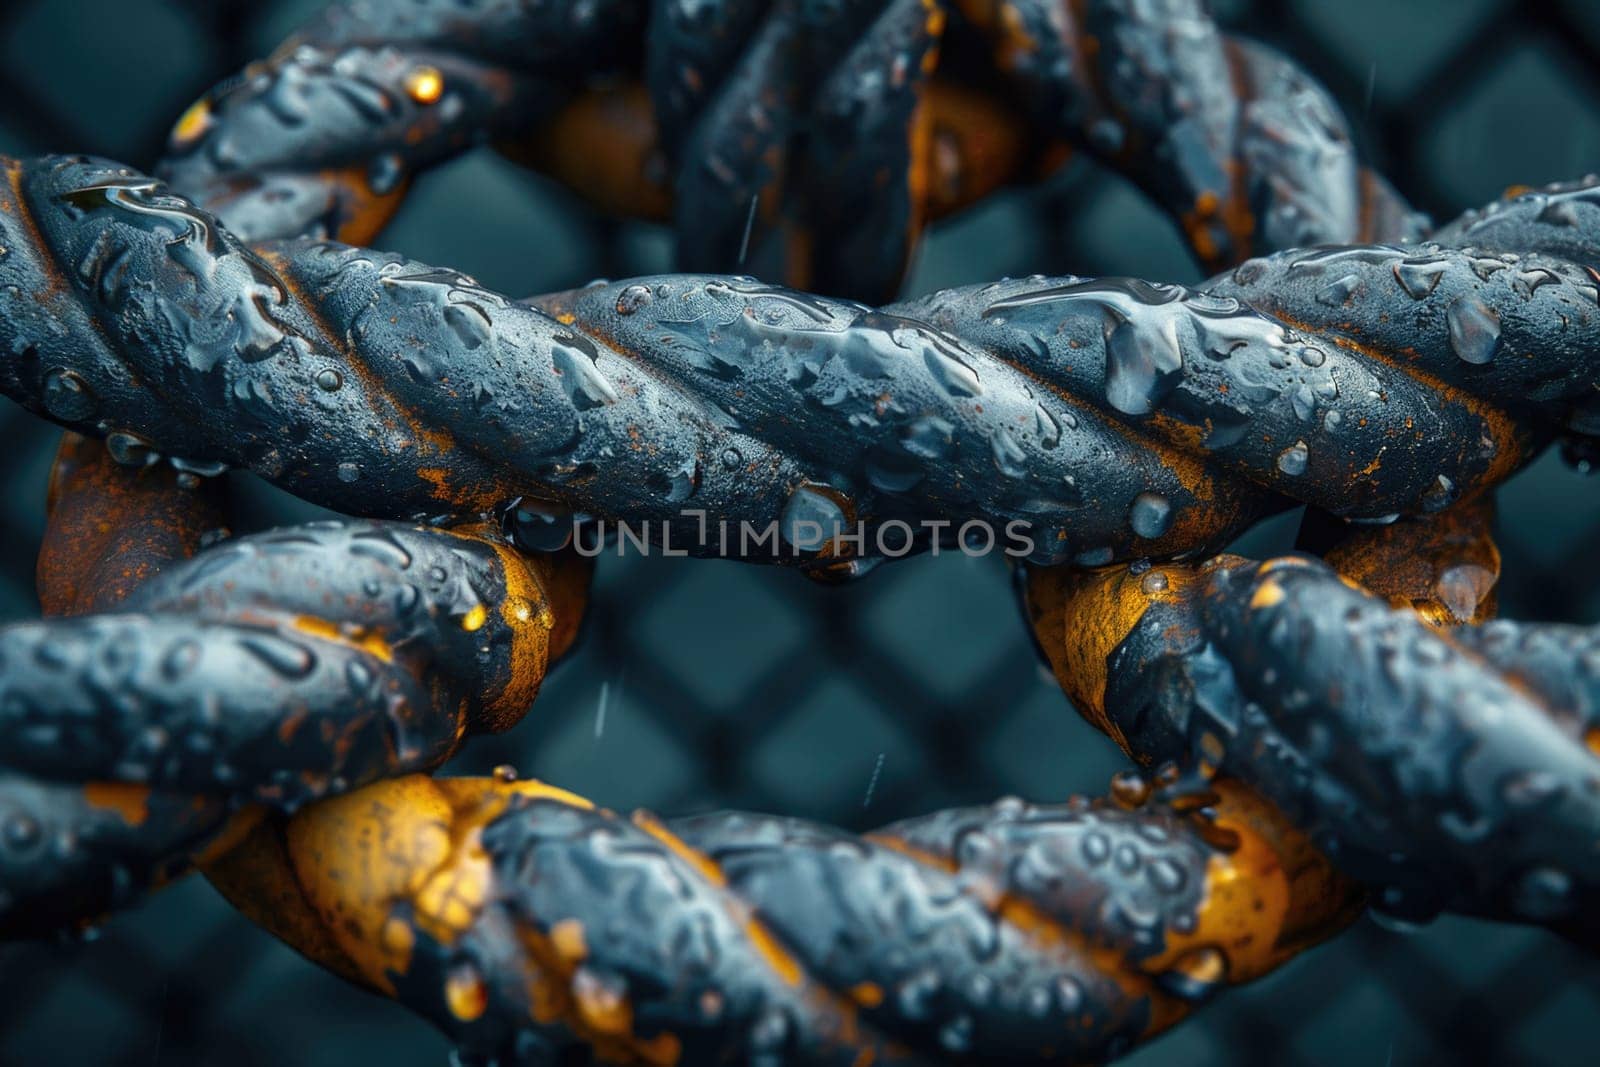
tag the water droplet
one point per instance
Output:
(465, 992)
(67, 396)
(385, 173)
(915, 996)
(685, 481)
(1544, 894)
(1304, 402)
(1531, 789)
(1107, 135)
(1419, 279)
(1129, 789)
(22, 830)
(349, 472)
(1009, 457)
(929, 437)
(1463, 588)
(1154, 583)
(1474, 330)
(1440, 495)
(285, 657)
(1197, 974)
(633, 298)
(1166, 875)
(1560, 211)
(535, 526)
(894, 472)
(811, 518)
(1142, 366)
(1292, 460)
(1339, 292)
(131, 450)
(956, 1035)
(329, 380)
(576, 362)
(1150, 515)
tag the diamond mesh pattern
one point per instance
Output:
(709, 684)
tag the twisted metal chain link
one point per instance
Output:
(1106, 420)
(1115, 420)
(527, 922)
(758, 125)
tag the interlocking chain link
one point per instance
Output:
(1109, 419)
(1115, 421)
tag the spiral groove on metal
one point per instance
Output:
(1109, 419)
(223, 712)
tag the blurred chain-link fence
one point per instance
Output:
(706, 684)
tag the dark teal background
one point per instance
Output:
(730, 685)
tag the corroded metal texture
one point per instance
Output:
(111, 527)
(1440, 774)
(1241, 145)
(273, 669)
(213, 712)
(284, 663)
(73, 850)
(1108, 419)
(758, 126)
(530, 924)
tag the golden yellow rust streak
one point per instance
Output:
(398, 936)
(1418, 563)
(919, 182)
(910, 851)
(357, 855)
(486, 798)
(367, 213)
(130, 802)
(376, 388)
(1504, 431)
(782, 962)
(1176, 444)
(566, 937)
(439, 478)
(867, 994)
(240, 825)
(1081, 617)
(704, 865)
(1267, 595)
(450, 901)
(192, 124)
(527, 613)
(55, 278)
(368, 641)
(1267, 898)
(559, 989)
(413, 840)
